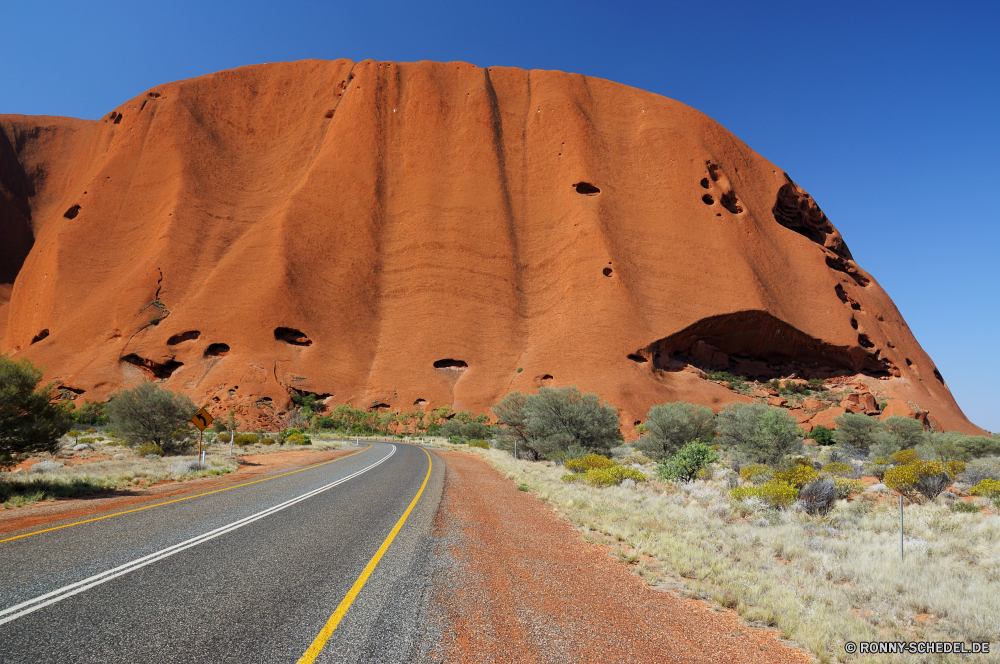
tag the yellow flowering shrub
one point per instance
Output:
(838, 468)
(589, 462)
(776, 493)
(903, 457)
(797, 475)
(757, 473)
(613, 475)
(987, 489)
(845, 488)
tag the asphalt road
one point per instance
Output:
(247, 575)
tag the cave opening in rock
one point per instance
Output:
(190, 335)
(292, 336)
(607, 271)
(636, 357)
(217, 350)
(157, 370)
(707, 199)
(41, 335)
(586, 188)
(450, 364)
(72, 212)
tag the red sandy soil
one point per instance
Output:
(527, 588)
(258, 466)
(341, 228)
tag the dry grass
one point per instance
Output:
(820, 580)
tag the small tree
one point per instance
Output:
(758, 433)
(856, 431)
(673, 425)
(688, 462)
(150, 414)
(512, 416)
(29, 421)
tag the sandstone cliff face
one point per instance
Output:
(396, 235)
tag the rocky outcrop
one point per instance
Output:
(340, 228)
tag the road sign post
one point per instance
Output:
(201, 419)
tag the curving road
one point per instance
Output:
(251, 574)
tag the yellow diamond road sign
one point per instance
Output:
(202, 419)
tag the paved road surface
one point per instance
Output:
(243, 584)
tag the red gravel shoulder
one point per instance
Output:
(525, 587)
(257, 466)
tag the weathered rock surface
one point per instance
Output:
(408, 235)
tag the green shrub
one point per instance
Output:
(982, 469)
(223, 438)
(85, 441)
(613, 475)
(145, 449)
(846, 488)
(877, 467)
(905, 456)
(480, 443)
(688, 462)
(74, 433)
(822, 435)
(857, 431)
(927, 477)
(30, 420)
(962, 506)
(758, 433)
(671, 426)
(589, 462)
(775, 493)
(245, 439)
(149, 413)
(268, 441)
(757, 473)
(554, 420)
(838, 468)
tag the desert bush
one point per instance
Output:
(838, 468)
(757, 473)
(877, 467)
(85, 441)
(91, 413)
(775, 493)
(612, 475)
(146, 449)
(758, 433)
(942, 446)
(905, 456)
(589, 462)
(149, 413)
(466, 425)
(976, 447)
(223, 438)
(30, 421)
(296, 439)
(822, 435)
(245, 439)
(797, 474)
(480, 443)
(327, 423)
(906, 431)
(845, 487)
(929, 478)
(689, 461)
(857, 430)
(45, 466)
(987, 489)
(671, 426)
(268, 441)
(978, 470)
(818, 497)
(555, 419)
(962, 506)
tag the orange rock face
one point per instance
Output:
(409, 235)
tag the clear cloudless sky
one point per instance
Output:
(886, 112)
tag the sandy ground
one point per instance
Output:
(256, 466)
(523, 586)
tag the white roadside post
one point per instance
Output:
(900, 527)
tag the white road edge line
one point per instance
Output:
(24, 608)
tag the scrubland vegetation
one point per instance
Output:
(734, 508)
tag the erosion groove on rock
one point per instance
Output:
(406, 213)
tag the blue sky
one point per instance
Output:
(887, 113)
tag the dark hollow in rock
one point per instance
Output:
(143, 105)
(937, 374)
(154, 369)
(731, 203)
(450, 364)
(75, 390)
(854, 322)
(118, 118)
(865, 341)
(190, 335)
(713, 171)
(72, 212)
(636, 357)
(217, 350)
(704, 183)
(849, 268)
(637, 423)
(707, 199)
(378, 405)
(292, 336)
(547, 377)
(796, 210)
(41, 335)
(607, 271)
(757, 345)
(420, 402)
(586, 188)
(909, 362)
(329, 114)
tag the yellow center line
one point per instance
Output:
(178, 500)
(324, 635)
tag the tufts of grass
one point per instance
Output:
(820, 580)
